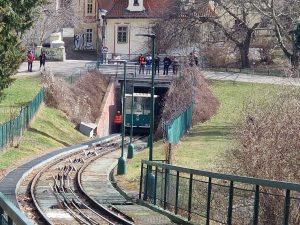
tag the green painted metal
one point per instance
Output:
(14, 128)
(131, 111)
(176, 193)
(190, 196)
(177, 128)
(121, 170)
(287, 202)
(141, 181)
(256, 206)
(177, 190)
(13, 213)
(230, 203)
(208, 201)
(130, 152)
(240, 179)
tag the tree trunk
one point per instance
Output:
(295, 58)
(244, 54)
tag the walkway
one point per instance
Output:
(76, 67)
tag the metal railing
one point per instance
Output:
(10, 214)
(204, 197)
(13, 129)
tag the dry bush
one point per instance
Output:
(219, 55)
(269, 147)
(81, 101)
(188, 88)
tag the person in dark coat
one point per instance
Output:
(42, 60)
(167, 62)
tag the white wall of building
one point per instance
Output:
(134, 44)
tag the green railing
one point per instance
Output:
(204, 197)
(10, 214)
(13, 129)
(176, 128)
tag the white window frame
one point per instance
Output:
(89, 7)
(89, 35)
(121, 32)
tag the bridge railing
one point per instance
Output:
(10, 214)
(204, 197)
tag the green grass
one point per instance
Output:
(19, 94)
(203, 147)
(50, 130)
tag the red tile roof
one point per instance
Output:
(153, 9)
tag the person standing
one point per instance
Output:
(157, 62)
(30, 59)
(42, 60)
(142, 62)
(167, 62)
(148, 64)
(175, 64)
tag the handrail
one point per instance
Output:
(229, 177)
(12, 212)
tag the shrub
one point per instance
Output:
(81, 101)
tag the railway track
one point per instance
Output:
(58, 196)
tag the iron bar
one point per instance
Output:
(176, 193)
(256, 205)
(287, 207)
(141, 181)
(208, 200)
(190, 196)
(230, 202)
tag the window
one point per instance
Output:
(89, 35)
(90, 6)
(122, 34)
(136, 2)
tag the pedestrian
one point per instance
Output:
(191, 59)
(148, 64)
(167, 62)
(196, 58)
(42, 60)
(118, 119)
(30, 59)
(175, 64)
(142, 62)
(157, 62)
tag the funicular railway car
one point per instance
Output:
(141, 110)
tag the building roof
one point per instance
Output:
(153, 9)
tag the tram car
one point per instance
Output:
(141, 110)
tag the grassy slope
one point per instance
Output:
(204, 145)
(20, 93)
(50, 130)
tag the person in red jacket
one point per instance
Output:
(118, 121)
(142, 62)
(30, 59)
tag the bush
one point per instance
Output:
(268, 146)
(81, 101)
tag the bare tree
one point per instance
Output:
(52, 17)
(232, 19)
(283, 16)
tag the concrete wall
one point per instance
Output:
(52, 54)
(108, 110)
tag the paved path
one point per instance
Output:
(77, 67)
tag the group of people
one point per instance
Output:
(31, 57)
(146, 62)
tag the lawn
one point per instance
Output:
(203, 147)
(19, 94)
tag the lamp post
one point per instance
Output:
(122, 161)
(102, 13)
(150, 180)
(130, 152)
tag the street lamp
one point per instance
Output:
(130, 152)
(103, 50)
(150, 180)
(122, 161)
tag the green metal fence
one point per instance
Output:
(204, 197)
(13, 129)
(10, 214)
(176, 128)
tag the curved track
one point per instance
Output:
(57, 194)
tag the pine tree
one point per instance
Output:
(15, 18)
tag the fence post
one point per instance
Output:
(176, 193)
(141, 181)
(230, 202)
(190, 196)
(155, 185)
(208, 201)
(287, 207)
(256, 205)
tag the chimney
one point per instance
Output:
(135, 5)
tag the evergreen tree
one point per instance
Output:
(15, 17)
